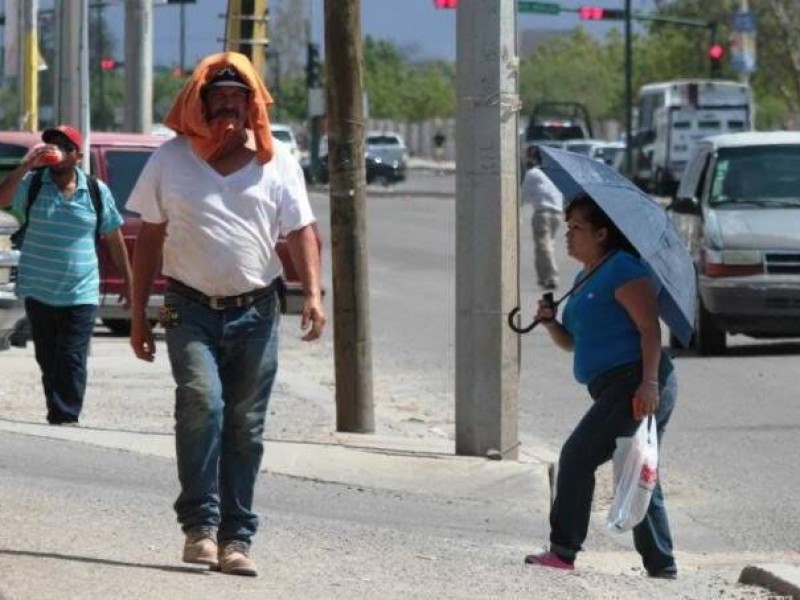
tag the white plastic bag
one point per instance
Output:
(635, 476)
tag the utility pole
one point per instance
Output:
(628, 90)
(182, 39)
(138, 66)
(487, 222)
(744, 76)
(246, 31)
(351, 324)
(72, 68)
(100, 52)
(29, 67)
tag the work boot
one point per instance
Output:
(234, 558)
(201, 546)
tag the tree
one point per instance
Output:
(564, 68)
(400, 89)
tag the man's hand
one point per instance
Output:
(142, 342)
(313, 319)
(43, 156)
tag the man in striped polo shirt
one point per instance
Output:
(58, 273)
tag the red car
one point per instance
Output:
(118, 159)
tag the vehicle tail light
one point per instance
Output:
(732, 263)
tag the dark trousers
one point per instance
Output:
(61, 336)
(592, 444)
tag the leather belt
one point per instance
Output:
(222, 302)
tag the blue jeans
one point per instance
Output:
(224, 363)
(592, 444)
(61, 337)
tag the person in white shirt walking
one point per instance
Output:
(548, 210)
(213, 201)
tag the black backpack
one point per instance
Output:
(18, 237)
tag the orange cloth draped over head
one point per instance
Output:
(187, 115)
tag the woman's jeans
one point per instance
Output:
(224, 363)
(592, 444)
(61, 337)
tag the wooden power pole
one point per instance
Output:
(246, 31)
(351, 327)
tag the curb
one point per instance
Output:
(782, 579)
(370, 462)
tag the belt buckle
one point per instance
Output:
(214, 303)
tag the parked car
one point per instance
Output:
(385, 156)
(610, 153)
(284, 134)
(738, 211)
(117, 159)
(11, 309)
(589, 147)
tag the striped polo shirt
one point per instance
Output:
(58, 263)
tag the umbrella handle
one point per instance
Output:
(513, 324)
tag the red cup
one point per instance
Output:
(52, 156)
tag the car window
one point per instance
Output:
(383, 140)
(12, 150)
(701, 181)
(282, 135)
(123, 168)
(757, 176)
(555, 132)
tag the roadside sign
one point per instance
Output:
(744, 22)
(547, 8)
(743, 42)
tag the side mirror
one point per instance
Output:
(684, 206)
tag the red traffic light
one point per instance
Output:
(716, 52)
(591, 13)
(107, 64)
(598, 13)
(445, 3)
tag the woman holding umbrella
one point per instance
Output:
(611, 324)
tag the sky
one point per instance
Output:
(408, 23)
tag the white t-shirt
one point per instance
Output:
(221, 230)
(537, 189)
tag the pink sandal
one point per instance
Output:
(549, 559)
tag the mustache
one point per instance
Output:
(225, 112)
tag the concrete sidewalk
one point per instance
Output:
(126, 410)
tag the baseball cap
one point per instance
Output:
(228, 76)
(52, 134)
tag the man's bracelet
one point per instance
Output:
(652, 382)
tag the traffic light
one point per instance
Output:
(598, 13)
(108, 64)
(313, 67)
(445, 3)
(715, 55)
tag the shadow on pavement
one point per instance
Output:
(105, 561)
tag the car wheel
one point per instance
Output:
(118, 326)
(709, 339)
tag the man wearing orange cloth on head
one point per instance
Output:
(213, 202)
